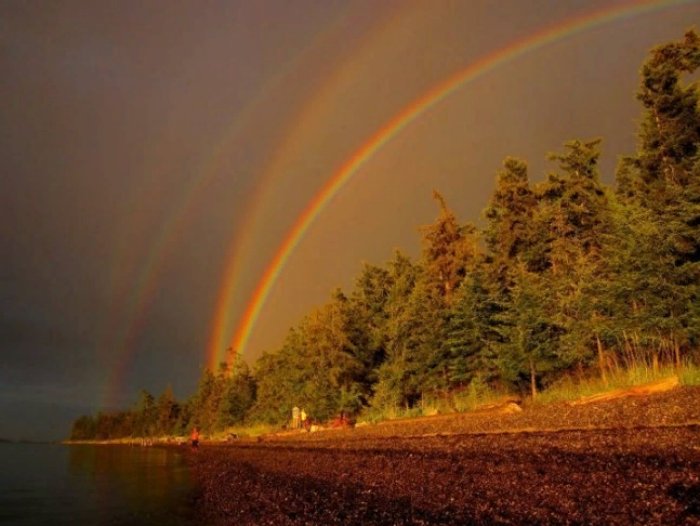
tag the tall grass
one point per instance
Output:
(477, 393)
(570, 388)
(252, 430)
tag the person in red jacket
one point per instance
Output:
(195, 438)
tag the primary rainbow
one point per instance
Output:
(243, 242)
(385, 134)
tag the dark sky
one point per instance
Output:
(141, 141)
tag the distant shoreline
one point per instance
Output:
(23, 441)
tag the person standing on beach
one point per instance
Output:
(195, 438)
(295, 417)
(303, 418)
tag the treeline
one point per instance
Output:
(568, 276)
(221, 400)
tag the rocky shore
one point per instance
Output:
(623, 461)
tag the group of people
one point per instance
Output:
(300, 420)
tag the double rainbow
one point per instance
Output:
(380, 138)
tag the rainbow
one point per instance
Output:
(137, 297)
(385, 134)
(246, 235)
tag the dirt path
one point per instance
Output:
(632, 474)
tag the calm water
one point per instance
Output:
(81, 485)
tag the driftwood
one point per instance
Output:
(659, 386)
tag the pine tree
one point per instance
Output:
(448, 248)
(391, 390)
(238, 395)
(664, 178)
(367, 320)
(167, 410)
(670, 133)
(203, 402)
(574, 216)
(450, 253)
(510, 212)
(147, 415)
(473, 334)
(529, 340)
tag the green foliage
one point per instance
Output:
(168, 411)
(238, 396)
(448, 251)
(510, 212)
(669, 134)
(570, 387)
(530, 336)
(392, 387)
(474, 331)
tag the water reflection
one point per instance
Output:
(81, 485)
(135, 485)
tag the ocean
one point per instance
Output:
(94, 485)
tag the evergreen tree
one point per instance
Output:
(670, 132)
(83, 428)
(367, 319)
(147, 415)
(239, 391)
(279, 382)
(664, 178)
(529, 344)
(204, 402)
(448, 249)
(513, 247)
(392, 390)
(651, 307)
(574, 216)
(473, 334)
(510, 212)
(167, 410)
(450, 253)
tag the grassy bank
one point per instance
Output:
(475, 397)
(569, 388)
(479, 395)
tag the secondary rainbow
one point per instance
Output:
(392, 128)
(120, 335)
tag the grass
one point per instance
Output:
(475, 395)
(245, 431)
(478, 394)
(689, 375)
(569, 388)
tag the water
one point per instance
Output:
(94, 485)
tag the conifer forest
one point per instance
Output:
(569, 277)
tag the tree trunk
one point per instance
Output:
(601, 360)
(533, 382)
(677, 352)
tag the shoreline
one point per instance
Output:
(678, 406)
(639, 465)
